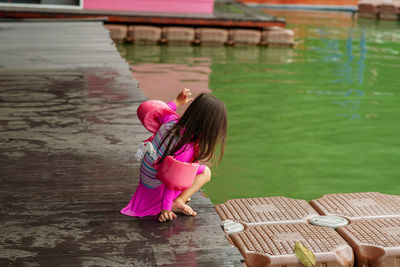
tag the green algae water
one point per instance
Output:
(320, 118)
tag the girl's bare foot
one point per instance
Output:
(179, 206)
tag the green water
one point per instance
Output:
(320, 118)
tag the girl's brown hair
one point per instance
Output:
(204, 124)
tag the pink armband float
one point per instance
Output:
(149, 111)
(175, 174)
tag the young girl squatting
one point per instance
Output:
(190, 138)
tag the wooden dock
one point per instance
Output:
(227, 14)
(69, 133)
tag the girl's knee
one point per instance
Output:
(207, 173)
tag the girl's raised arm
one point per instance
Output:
(182, 99)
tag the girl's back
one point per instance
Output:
(147, 171)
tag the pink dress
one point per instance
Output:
(151, 195)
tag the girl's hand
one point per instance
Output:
(183, 97)
(166, 215)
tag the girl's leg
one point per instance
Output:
(179, 203)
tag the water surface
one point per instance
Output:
(320, 118)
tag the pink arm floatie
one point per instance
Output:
(151, 112)
(169, 117)
(175, 174)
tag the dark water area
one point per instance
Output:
(320, 118)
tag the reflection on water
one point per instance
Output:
(198, 55)
(320, 118)
(164, 81)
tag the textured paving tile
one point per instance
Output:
(375, 242)
(356, 206)
(266, 210)
(273, 245)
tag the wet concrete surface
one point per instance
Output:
(68, 134)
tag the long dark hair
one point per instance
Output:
(204, 124)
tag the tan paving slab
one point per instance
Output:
(265, 210)
(375, 242)
(273, 245)
(356, 206)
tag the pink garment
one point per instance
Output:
(150, 201)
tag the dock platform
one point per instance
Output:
(69, 133)
(227, 14)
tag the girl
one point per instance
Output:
(191, 138)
